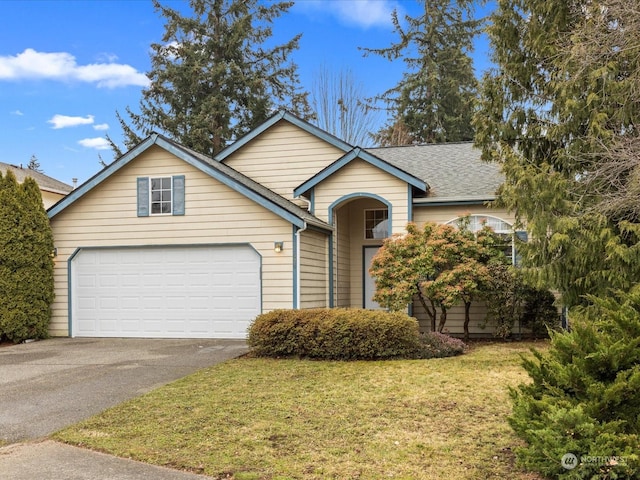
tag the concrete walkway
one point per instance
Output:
(50, 460)
(47, 385)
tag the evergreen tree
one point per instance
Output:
(26, 266)
(564, 96)
(213, 77)
(434, 100)
(583, 401)
(34, 164)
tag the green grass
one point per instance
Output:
(289, 419)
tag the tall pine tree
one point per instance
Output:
(434, 100)
(563, 96)
(215, 76)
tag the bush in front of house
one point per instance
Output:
(510, 301)
(26, 266)
(583, 401)
(539, 313)
(439, 345)
(335, 334)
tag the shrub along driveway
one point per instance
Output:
(53, 383)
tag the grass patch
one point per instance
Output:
(255, 418)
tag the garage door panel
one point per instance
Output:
(172, 292)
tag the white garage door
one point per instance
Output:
(165, 292)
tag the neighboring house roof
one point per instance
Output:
(44, 181)
(454, 172)
(226, 175)
(358, 153)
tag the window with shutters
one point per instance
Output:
(161, 195)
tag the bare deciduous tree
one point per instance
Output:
(338, 100)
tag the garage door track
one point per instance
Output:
(54, 383)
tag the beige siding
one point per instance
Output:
(50, 198)
(314, 281)
(455, 316)
(107, 216)
(361, 177)
(357, 177)
(356, 254)
(342, 256)
(283, 158)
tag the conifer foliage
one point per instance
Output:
(26, 264)
(583, 403)
(434, 100)
(216, 75)
(560, 114)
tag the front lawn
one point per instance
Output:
(289, 419)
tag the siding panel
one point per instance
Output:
(314, 291)
(283, 157)
(214, 213)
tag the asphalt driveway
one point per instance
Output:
(47, 385)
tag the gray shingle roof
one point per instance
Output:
(44, 181)
(453, 171)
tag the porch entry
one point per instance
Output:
(369, 283)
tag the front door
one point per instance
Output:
(369, 283)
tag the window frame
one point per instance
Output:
(162, 200)
(376, 221)
(506, 233)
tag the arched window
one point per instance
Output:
(502, 228)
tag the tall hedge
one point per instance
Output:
(26, 263)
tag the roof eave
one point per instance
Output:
(451, 201)
(367, 157)
(102, 175)
(174, 149)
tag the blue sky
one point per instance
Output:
(67, 66)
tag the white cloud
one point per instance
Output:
(64, 121)
(101, 126)
(98, 143)
(62, 66)
(17, 112)
(362, 13)
(107, 57)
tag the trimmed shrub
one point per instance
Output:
(335, 334)
(439, 345)
(582, 406)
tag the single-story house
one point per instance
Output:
(52, 190)
(166, 242)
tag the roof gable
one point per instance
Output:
(286, 116)
(358, 153)
(226, 175)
